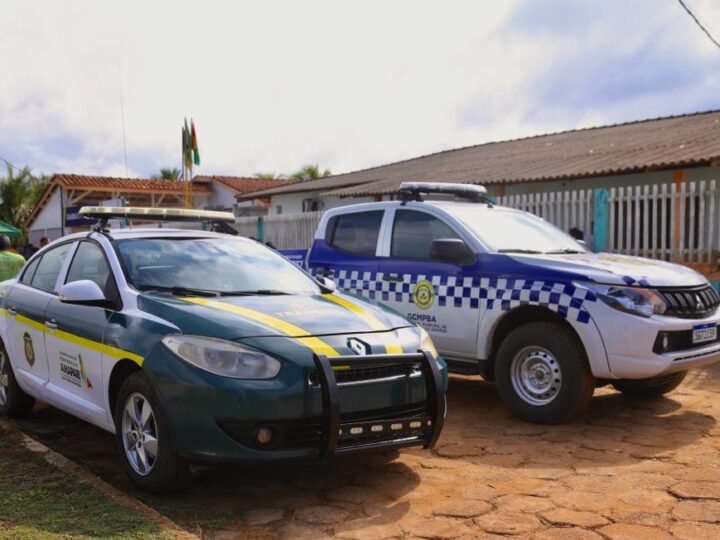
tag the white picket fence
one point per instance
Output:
(284, 231)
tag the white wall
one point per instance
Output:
(48, 221)
(292, 203)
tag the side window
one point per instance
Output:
(89, 263)
(413, 233)
(49, 267)
(30, 272)
(356, 233)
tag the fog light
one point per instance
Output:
(264, 435)
(356, 430)
(665, 342)
(395, 427)
(375, 429)
(415, 424)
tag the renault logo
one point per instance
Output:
(358, 347)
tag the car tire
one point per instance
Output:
(651, 388)
(542, 373)
(142, 433)
(14, 403)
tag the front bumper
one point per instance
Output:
(631, 343)
(217, 419)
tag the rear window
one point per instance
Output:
(356, 233)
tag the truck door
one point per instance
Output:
(442, 297)
(348, 253)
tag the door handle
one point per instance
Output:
(397, 278)
(51, 324)
(12, 311)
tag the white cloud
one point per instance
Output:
(276, 84)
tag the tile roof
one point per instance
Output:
(242, 185)
(123, 185)
(675, 141)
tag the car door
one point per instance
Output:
(348, 254)
(27, 303)
(74, 339)
(442, 297)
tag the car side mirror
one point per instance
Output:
(83, 293)
(326, 284)
(451, 250)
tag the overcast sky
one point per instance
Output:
(273, 85)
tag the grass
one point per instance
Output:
(41, 502)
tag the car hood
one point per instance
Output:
(610, 268)
(239, 317)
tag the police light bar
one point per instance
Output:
(464, 191)
(155, 214)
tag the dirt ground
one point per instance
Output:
(627, 470)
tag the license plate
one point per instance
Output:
(704, 332)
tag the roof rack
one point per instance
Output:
(412, 191)
(105, 213)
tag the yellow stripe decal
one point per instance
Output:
(375, 324)
(77, 340)
(316, 344)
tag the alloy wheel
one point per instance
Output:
(4, 378)
(139, 434)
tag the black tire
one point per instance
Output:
(14, 403)
(562, 357)
(168, 471)
(651, 388)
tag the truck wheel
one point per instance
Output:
(143, 439)
(542, 373)
(653, 387)
(13, 401)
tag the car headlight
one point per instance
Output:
(426, 343)
(636, 300)
(222, 357)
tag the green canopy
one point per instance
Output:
(12, 232)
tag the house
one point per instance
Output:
(55, 213)
(225, 189)
(675, 149)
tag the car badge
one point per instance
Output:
(699, 303)
(358, 347)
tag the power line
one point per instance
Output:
(694, 18)
(122, 110)
(10, 163)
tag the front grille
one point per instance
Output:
(370, 373)
(690, 303)
(307, 432)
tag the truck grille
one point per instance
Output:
(691, 303)
(370, 373)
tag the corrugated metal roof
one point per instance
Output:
(692, 139)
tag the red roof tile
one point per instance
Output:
(124, 185)
(242, 185)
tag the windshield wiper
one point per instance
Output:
(178, 291)
(259, 292)
(569, 251)
(514, 250)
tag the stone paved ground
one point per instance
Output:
(627, 470)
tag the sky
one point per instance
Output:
(273, 85)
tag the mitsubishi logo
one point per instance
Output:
(358, 347)
(699, 303)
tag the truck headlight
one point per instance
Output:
(222, 357)
(426, 343)
(636, 300)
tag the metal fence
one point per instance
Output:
(284, 231)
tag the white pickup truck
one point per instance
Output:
(505, 294)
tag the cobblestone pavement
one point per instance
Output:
(627, 470)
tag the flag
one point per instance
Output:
(194, 144)
(187, 147)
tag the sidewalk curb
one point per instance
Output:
(68, 466)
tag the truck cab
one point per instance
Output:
(505, 294)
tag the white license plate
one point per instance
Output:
(704, 332)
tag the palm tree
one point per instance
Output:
(269, 176)
(310, 172)
(18, 194)
(168, 174)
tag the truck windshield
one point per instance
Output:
(210, 265)
(516, 232)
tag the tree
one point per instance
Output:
(269, 176)
(168, 174)
(310, 172)
(19, 191)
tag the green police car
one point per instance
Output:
(198, 346)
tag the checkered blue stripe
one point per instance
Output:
(473, 292)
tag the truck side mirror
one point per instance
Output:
(451, 250)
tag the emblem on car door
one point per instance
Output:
(29, 350)
(358, 347)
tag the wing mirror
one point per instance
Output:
(83, 293)
(452, 250)
(326, 284)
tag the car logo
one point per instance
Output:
(699, 303)
(358, 347)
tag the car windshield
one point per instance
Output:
(516, 232)
(211, 265)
